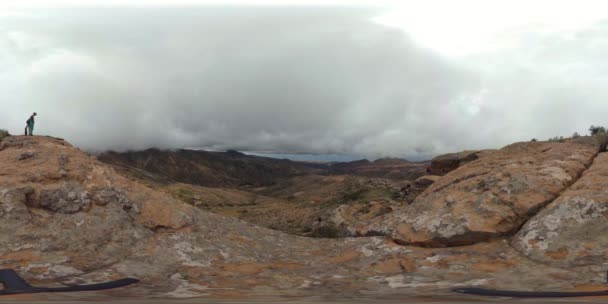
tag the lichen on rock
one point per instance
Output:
(90, 224)
(490, 197)
(70, 197)
(571, 231)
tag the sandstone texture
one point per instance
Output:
(572, 231)
(67, 218)
(487, 198)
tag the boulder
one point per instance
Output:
(571, 231)
(427, 180)
(337, 222)
(443, 164)
(487, 198)
(68, 198)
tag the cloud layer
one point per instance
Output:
(313, 80)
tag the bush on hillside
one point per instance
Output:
(576, 135)
(3, 134)
(595, 130)
(557, 139)
(602, 141)
(601, 137)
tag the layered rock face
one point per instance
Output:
(487, 198)
(67, 214)
(572, 231)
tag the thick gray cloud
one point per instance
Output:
(314, 80)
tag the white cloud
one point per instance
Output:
(296, 79)
(456, 28)
(84, 3)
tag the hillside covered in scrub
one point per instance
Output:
(302, 198)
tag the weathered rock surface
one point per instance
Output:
(487, 198)
(572, 231)
(444, 164)
(337, 222)
(67, 198)
(94, 225)
(427, 180)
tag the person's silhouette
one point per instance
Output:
(30, 125)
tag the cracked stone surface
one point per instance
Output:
(130, 230)
(488, 198)
(571, 231)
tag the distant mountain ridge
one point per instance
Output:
(391, 168)
(211, 169)
(236, 169)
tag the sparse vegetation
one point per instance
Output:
(397, 195)
(576, 135)
(595, 130)
(354, 196)
(534, 140)
(328, 231)
(600, 135)
(3, 134)
(602, 141)
(557, 139)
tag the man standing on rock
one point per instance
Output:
(30, 125)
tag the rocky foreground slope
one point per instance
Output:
(66, 217)
(490, 197)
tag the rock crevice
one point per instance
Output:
(571, 230)
(491, 197)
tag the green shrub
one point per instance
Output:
(602, 141)
(557, 139)
(576, 135)
(3, 134)
(595, 130)
(600, 135)
(354, 196)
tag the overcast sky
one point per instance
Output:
(395, 78)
